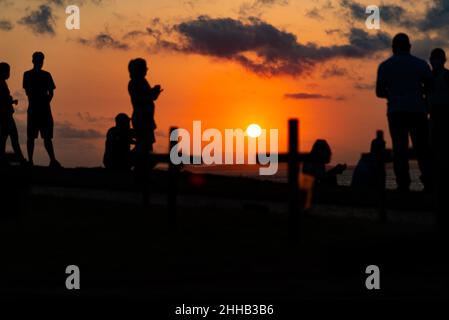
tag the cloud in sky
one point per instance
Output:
(314, 14)
(334, 71)
(256, 7)
(364, 86)
(264, 49)
(312, 96)
(436, 17)
(6, 25)
(40, 21)
(306, 96)
(104, 41)
(67, 131)
(390, 14)
(63, 3)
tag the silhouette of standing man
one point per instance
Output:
(404, 81)
(39, 87)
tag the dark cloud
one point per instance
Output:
(64, 3)
(262, 48)
(134, 34)
(256, 7)
(66, 130)
(306, 96)
(104, 41)
(334, 71)
(6, 25)
(423, 46)
(364, 86)
(334, 31)
(390, 14)
(436, 17)
(41, 21)
(88, 118)
(312, 96)
(314, 14)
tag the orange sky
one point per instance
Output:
(92, 83)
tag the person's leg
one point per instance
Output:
(48, 143)
(47, 135)
(14, 135)
(419, 132)
(3, 138)
(30, 150)
(399, 136)
(32, 134)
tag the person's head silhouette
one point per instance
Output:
(38, 60)
(5, 70)
(122, 121)
(401, 44)
(438, 59)
(137, 68)
(321, 152)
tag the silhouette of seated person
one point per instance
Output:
(118, 155)
(8, 126)
(370, 170)
(315, 165)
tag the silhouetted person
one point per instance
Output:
(404, 81)
(8, 126)
(315, 164)
(39, 87)
(119, 139)
(142, 98)
(370, 170)
(439, 118)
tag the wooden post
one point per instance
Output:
(294, 214)
(172, 183)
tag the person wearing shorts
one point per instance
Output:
(39, 87)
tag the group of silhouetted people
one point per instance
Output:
(119, 154)
(414, 91)
(417, 98)
(418, 109)
(39, 87)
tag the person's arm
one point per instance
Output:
(381, 85)
(446, 77)
(25, 84)
(427, 80)
(155, 92)
(5, 97)
(338, 169)
(51, 88)
(51, 94)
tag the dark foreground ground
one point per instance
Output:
(230, 249)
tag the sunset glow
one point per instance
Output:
(313, 78)
(254, 130)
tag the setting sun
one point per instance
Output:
(254, 130)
